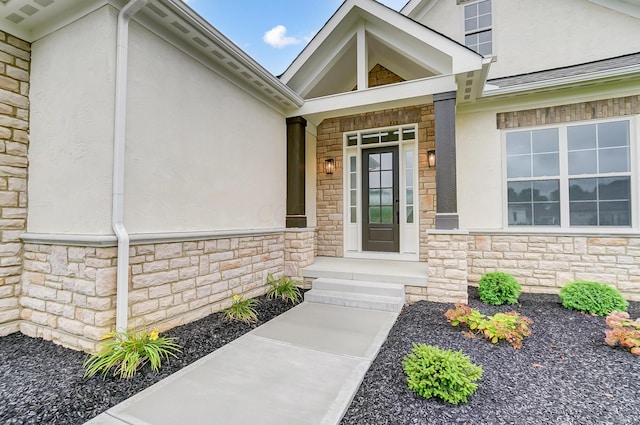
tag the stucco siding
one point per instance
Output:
(579, 31)
(72, 102)
(202, 154)
(479, 170)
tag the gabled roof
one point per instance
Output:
(365, 33)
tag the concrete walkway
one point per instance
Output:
(303, 367)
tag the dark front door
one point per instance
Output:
(380, 181)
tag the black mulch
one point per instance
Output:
(564, 374)
(42, 383)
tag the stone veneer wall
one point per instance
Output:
(15, 60)
(329, 202)
(381, 76)
(69, 291)
(299, 251)
(544, 263)
(599, 109)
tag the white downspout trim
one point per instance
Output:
(119, 134)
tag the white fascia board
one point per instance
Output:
(574, 79)
(628, 7)
(372, 99)
(417, 9)
(317, 41)
(408, 8)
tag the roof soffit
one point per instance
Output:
(400, 44)
(173, 21)
(30, 20)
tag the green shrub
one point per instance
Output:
(498, 288)
(592, 297)
(446, 374)
(126, 352)
(508, 326)
(283, 288)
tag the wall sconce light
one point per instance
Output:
(431, 158)
(329, 165)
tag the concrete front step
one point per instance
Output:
(357, 294)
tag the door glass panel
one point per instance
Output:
(374, 215)
(386, 179)
(409, 214)
(387, 215)
(374, 179)
(374, 162)
(387, 197)
(374, 197)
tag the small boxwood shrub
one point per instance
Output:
(592, 297)
(498, 288)
(446, 374)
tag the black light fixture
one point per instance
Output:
(329, 165)
(431, 158)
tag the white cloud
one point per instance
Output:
(277, 37)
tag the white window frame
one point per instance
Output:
(478, 30)
(564, 177)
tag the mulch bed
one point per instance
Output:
(564, 373)
(42, 383)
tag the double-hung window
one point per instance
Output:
(575, 175)
(477, 27)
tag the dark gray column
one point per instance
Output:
(296, 172)
(446, 192)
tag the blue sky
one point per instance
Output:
(273, 32)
